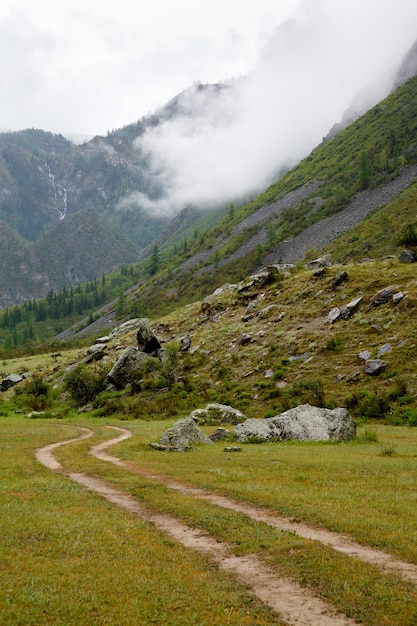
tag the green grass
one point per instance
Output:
(69, 557)
(350, 488)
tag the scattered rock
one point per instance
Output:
(334, 315)
(214, 414)
(364, 355)
(221, 434)
(387, 347)
(147, 341)
(131, 367)
(245, 339)
(345, 312)
(35, 414)
(383, 296)
(324, 261)
(303, 423)
(127, 327)
(159, 446)
(350, 308)
(374, 367)
(183, 433)
(185, 343)
(319, 272)
(10, 381)
(339, 278)
(407, 256)
(397, 297)
(265, 312)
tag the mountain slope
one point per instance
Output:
(83, 247)
(361, 170)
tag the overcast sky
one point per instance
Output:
(89, 66)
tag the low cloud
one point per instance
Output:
(231, 142)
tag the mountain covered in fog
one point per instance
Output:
(69, 213)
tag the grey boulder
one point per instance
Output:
(302, 423)
(131, 367)
(183, 433)
(10, 381)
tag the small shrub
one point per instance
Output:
(369, 405)
(255, 439)
(308, 391)
(368, 436)
(83, 384)
(335, 344)
(388, 450)
(170, 364)
(35, 392)
(279, 373)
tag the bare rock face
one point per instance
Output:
(303, 423)
(183, 433)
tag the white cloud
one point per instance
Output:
(232, 143)
(89, 66)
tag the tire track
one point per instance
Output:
(342, 543)
(296, 605)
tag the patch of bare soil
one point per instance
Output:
(296, 605)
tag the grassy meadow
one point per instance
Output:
(69, 557)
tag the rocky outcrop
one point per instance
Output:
(303, 423)
(183, 433)
(339, 278)
(131, 367)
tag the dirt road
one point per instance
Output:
(294, 604)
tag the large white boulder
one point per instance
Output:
(303, 423)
